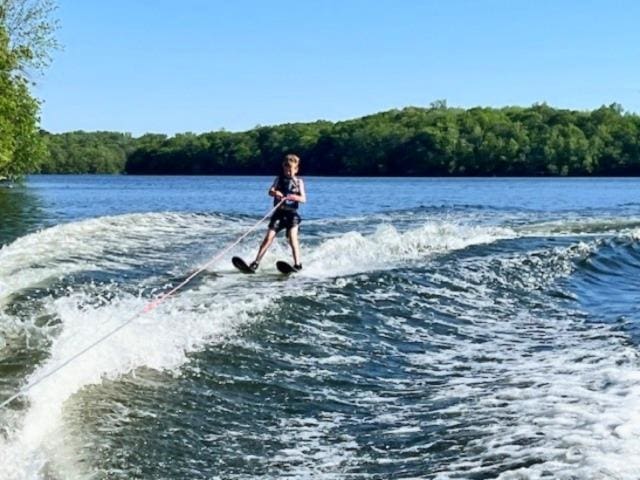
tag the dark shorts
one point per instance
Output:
(284, 219)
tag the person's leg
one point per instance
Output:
(264, 246)
(292, 235)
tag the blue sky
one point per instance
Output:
(194, 65)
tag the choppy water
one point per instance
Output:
(441, 329)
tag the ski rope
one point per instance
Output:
(146, 309)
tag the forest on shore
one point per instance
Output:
(436, 141)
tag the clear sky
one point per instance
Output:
(170, 66)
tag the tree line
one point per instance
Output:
(435, 141)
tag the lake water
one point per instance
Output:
(440, 329)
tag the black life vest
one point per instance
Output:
(287, 186)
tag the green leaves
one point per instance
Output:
(26, 39)
(82, 152)
(30, 26)
(20, 144)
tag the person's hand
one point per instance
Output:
(290, 198)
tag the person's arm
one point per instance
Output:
(302, 198)
(274, 192)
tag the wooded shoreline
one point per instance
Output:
(435, 141)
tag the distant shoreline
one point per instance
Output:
(536, 141)
(399, 177)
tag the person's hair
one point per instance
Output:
(292, 160)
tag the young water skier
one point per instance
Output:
(290, 187)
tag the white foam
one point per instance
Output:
(353, 252)
(161, 340)
(105, 243)
(310, 453)
(584, 226)
(545, 389)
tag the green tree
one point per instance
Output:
(26, 40)
(20, 145)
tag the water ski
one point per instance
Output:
(284, 267)
(241, 265)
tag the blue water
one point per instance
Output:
(441, 328)
(83, 196)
